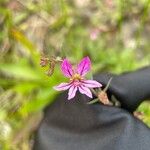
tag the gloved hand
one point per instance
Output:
(74, 125)
(129, 88)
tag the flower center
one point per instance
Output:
(76, 77)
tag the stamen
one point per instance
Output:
(76, 77)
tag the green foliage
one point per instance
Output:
(145, 110)
(62, 28)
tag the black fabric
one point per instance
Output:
(129, 88)
(74, 125)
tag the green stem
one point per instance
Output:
(93, 101)
(108, 84)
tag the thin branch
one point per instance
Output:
(93, 101)
(45, 20)
(108, 84)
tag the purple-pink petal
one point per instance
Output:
(72, 92)
(66, 68)
(84, 66)
(92, 84)
(62, 86)
(86, 91)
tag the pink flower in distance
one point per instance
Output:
(77, 80)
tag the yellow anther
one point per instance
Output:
(76, 77)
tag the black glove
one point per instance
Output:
(74, 125)
(129, 88)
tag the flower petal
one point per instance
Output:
(66, 68)
(86, 91)
(72, 92)
(62, 86)
(92, 84)
(84, 66)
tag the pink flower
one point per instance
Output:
(94, 34)
(77, 80)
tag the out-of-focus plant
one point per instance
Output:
(113, 33)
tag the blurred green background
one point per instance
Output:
(114, 33)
